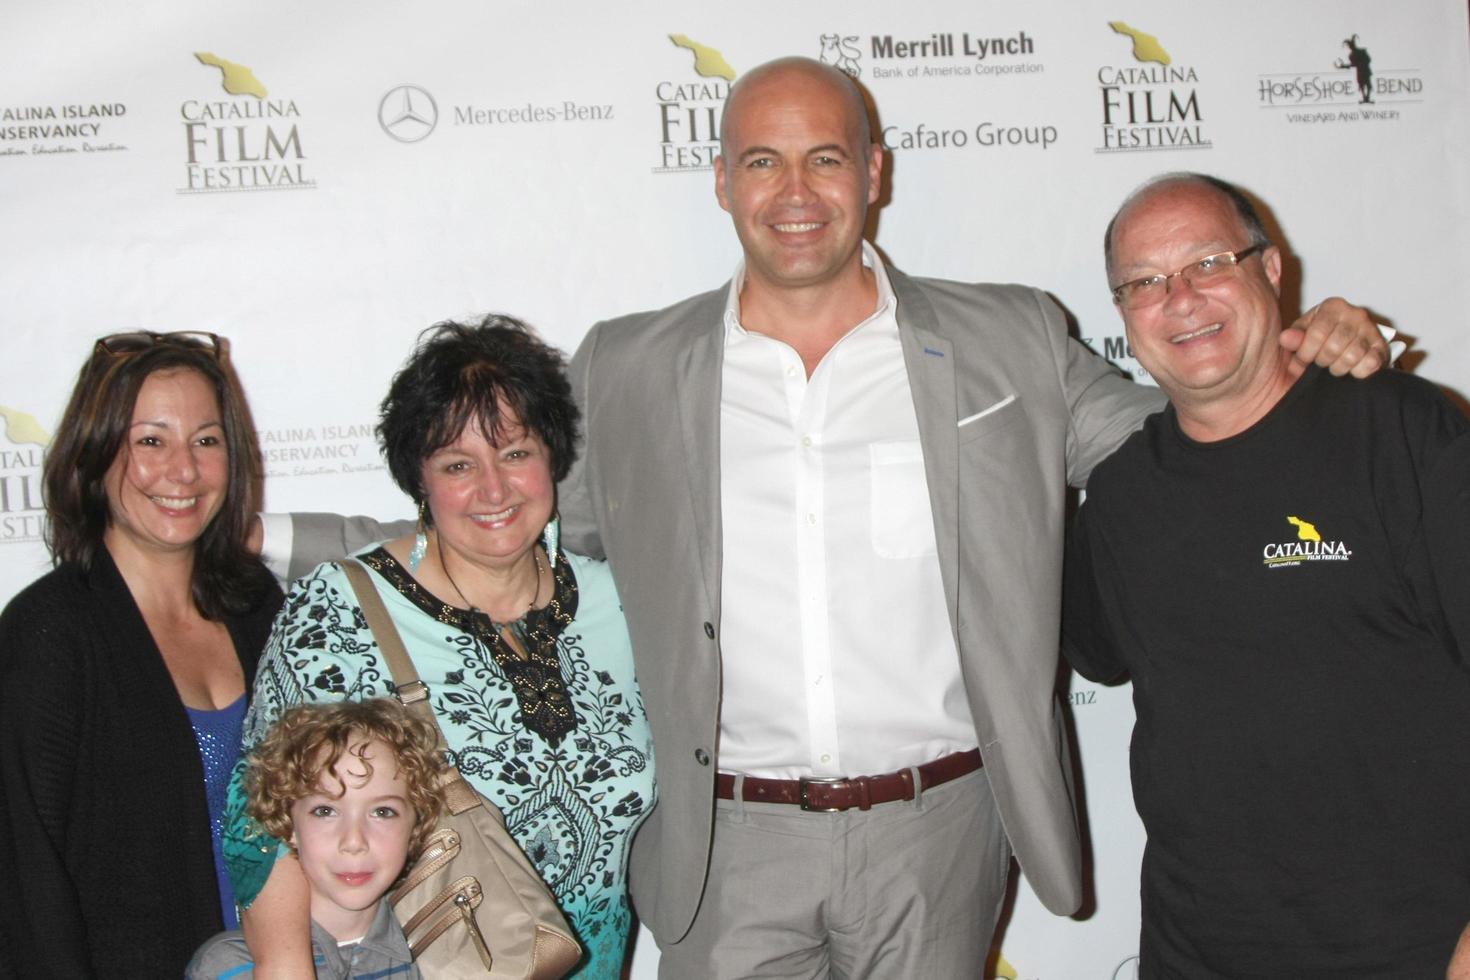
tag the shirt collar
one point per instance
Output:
(384, 938)
(887, 302)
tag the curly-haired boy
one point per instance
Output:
(351, 786)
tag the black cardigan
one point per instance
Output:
(106, 865)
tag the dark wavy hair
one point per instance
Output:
(479, 372)
(93, 432)
(300, 754)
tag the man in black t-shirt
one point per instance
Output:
(1279, 563)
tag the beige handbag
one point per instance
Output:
(472, 906)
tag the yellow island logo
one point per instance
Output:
(249, 142)
(1152, 104)
(1309, 545)
(689, 109)
(22, 515)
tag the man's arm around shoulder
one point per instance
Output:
(574, 495)
(291, 545)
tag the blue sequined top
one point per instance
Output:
(218, 733)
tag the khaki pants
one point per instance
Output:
(905, 890)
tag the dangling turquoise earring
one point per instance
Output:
(420, 542)
(551, 537)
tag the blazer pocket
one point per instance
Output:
(900, 518)
(989, 419)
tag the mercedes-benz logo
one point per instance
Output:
(408, 113)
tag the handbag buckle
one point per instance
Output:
(412, 693)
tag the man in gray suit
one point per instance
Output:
(832, 498)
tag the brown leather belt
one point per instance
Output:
(833, 795)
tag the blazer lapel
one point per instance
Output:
(929, 359)
(697, 369)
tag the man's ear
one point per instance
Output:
(720, 182)
(1271, 261)
(875, 171)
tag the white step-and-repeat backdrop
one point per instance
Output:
(319, 181)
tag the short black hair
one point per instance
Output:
(1250, 218)
(462, 372)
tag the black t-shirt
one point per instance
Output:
(1285, 601)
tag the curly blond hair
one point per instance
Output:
(304, 747)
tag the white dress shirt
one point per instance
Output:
(838, 657)
(277, 537)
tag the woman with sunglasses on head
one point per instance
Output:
(124, 671)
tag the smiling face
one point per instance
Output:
(352, 837)
(169, 479)
(1213, 346)
(490, 500)
(797, 175)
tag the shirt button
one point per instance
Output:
(790, 372)
(826, 757)
(701, 757)
(811, 518)
(806, 442)
(709, 630)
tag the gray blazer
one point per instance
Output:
(646, 494)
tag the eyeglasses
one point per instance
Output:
(136, 341)
(1208, 271)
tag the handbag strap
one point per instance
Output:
(413, 693)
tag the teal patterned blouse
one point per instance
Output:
(571, 801)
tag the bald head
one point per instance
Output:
(789, 77)
(1251, 225)
(797, 172)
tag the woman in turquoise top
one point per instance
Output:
(523, 645)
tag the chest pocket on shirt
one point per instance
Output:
(899, 515)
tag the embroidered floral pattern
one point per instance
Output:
(572, 798)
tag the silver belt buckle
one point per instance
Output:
(802, 789)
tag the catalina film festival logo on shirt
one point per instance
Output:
(1308, 545)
